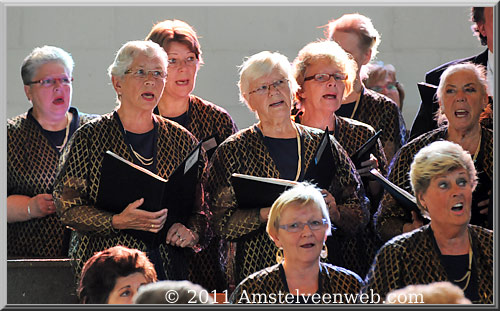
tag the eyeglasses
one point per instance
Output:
(299, 226)
(389, 87)
(142, 73)
(189, 61)
(264, 89)
(47, 82)
(325, 77)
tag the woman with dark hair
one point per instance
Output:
(35, 141)
(114, 275)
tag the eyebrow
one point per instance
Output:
(126, 286)
(468, 84)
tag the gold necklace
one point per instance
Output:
(145, 161)
(356, 106)
(477, 149)
(68, 122)
(469, 269)
(299, 150)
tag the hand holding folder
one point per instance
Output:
(123, 182)
(363, 153)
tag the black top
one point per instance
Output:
(55, 137)
(302, 298)
(456, 266)
(183, 119)
(284, 153)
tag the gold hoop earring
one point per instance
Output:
(324, 252)
(279, 255)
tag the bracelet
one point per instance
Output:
(29, 210)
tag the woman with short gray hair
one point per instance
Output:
(35, 141)
(156, 144)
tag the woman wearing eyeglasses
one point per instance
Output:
(206, 121)
(299, 224)
(133, 132)
(274, 147)
(357, 36)
(201, 117)
(382, 79)
(325, 74)
(35, 141)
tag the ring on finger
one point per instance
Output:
(177, 234)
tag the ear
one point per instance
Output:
(276, 240)
(27, 91)
(481, 28)
(422, 200)
(367, 57)
(117, 84)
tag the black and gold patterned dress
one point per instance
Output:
(380, 112)
(266, 285)
(249, 248)
(78, 179)
(391, 216)
(206, 120)
(356, 252)
(32, 161)
(414, 258)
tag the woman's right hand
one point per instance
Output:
(134, 218)
(41, 205)
(410, 226)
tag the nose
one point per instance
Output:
(271, 88)
(307, 230)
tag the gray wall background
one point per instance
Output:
(414, 40)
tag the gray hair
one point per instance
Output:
(41, 56)
(478, 70)
(127, 53)
(437, 158)
(182, 292)
(261, 64)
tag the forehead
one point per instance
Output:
(323, 64)
(295, 211)
(175, 47)
(458, 171)
(142, 60)
(274, 75)
(51, 68)
(461, 77)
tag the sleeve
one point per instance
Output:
(395, 136)
(391, 216)
(348, 192)
(229, 222)
(71, 190)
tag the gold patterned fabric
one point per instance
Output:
(77, 186)
(267, 283)
(32, 161)
(250, 248)
(391, 216)
(412, 258)
(381, 112)
(207, 120)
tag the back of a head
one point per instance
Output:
(172, 292)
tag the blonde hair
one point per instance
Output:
(362, 26)
(303, 193)
(324, 50)
(262, 64)
(479, 72)
(433, 293)
(438, 158)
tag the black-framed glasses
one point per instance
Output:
(389, 87)
(314, 224)
(324, 77)
(48, 82)
(143, 74)
(264, 89)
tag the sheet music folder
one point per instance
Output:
(123, 182)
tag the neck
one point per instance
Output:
(50, 122)
(136, 122)
(467, 138)
(170, 106)
(278, 129)
(454, 241)
(302, 276)
(357, 87)
(318, 119)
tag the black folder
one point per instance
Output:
(427, 92)
(400, 195)
(123, 182)
(261, 192)
(363, 153)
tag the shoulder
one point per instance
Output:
(260, 277)
(424, 139)
(433, 76)
(336, 272)
(173, 129)
(16, 122)
(310, 132)
(355, 125)
(407, 242)
(208, 107)
(240, 138)
(379, 101)
(485, 236)
(83, 117)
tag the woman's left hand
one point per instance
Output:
(367, 165)
(179, 235)
(332, 206)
